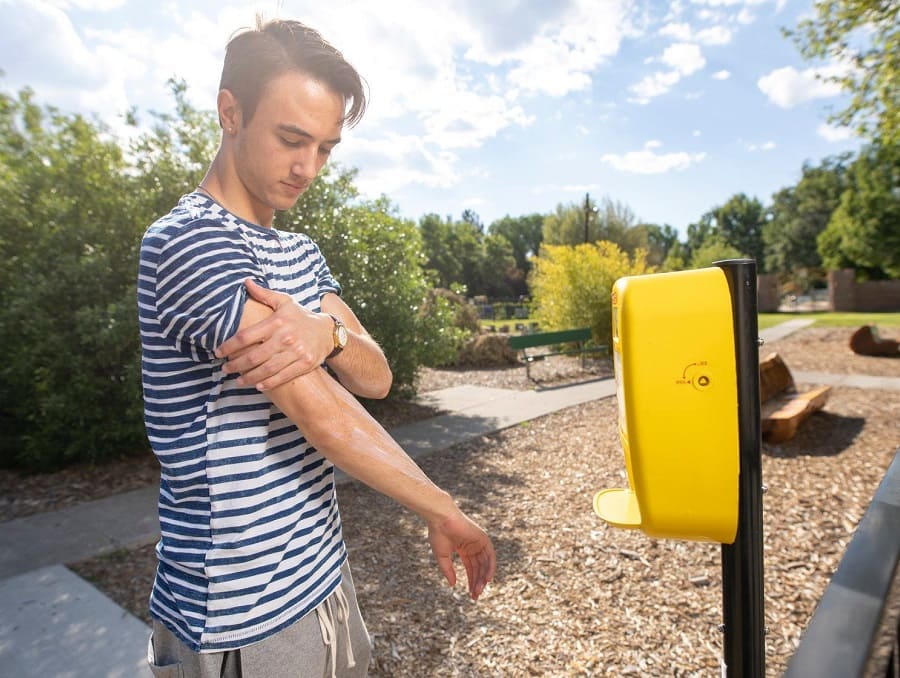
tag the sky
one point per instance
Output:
(503, 107)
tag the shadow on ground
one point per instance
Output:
(824, 434)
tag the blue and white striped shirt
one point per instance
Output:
(250, 531)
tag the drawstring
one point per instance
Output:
(326, 614)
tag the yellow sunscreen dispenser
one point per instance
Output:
(674, 356)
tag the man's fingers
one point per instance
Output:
(445, 565)
(263, 294)
(255, 334)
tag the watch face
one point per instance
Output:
(341, 335)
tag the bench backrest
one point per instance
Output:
(549, 338)
(774, 377)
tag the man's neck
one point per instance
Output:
(225, 187)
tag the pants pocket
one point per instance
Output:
(162, 670)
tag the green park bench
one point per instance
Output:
(557, 340)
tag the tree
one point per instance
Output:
(440, 257)
(654, 239)
(571, 285)
(739, 222)
(712, 250)
(498, 267)
(578, 223)
(697, 234)
(865, 35)
(864, 231)
(798, 215)
(459, 253)
(524, 234)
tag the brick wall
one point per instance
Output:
(767, 296)
(845, 294)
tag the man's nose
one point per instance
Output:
(305, 165)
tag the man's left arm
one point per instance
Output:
(293, 341)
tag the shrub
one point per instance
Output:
(447, 321)
(571, 285)
(487, 350)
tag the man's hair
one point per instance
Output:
(255, 57)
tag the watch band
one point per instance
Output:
(339, 335)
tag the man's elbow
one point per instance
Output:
(381, 387)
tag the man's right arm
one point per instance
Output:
(335, 423)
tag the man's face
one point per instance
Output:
(281, 149)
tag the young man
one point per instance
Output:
(236, 321)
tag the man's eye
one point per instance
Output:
(325, 151)
(291, 144)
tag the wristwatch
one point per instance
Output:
(340, 336)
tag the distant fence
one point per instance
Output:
(843, 294)
(856, 626)
(846, 294)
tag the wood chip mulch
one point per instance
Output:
(573, 596)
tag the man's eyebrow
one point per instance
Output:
(299, 131)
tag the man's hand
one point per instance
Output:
(289, 343)
(459, 534)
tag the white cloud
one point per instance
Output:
(728, 3)
(394, 161)
(679, 31)
(765, 146)
(471, 119)
(562, 56)
(696, 133)
(786, 87)
(745, 17)
(87, 5)
(654, 85)
(716, 35)
(646, 161)
(721, 75)
(834, 134)
(685, 58)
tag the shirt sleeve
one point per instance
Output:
(324, 279)
(200, 290)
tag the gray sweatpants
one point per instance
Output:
(330, 642)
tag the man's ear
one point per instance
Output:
(229, 111)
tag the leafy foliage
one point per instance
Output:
(571, 286)
(865, 35)
(459, 253)
(74, 208)
(864, 230)
(799, 214)
(377, 258)
(712, 250)
(68, 229)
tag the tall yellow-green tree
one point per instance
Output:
(571, 285)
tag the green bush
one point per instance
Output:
(377, 258)
(571, 285)
(447, 321)
(71, 219)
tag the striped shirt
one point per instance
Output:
(250, 531)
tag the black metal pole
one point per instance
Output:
(742, 561)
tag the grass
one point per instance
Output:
(831, 319)
(820, 318)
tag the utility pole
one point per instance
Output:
(587, 215)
